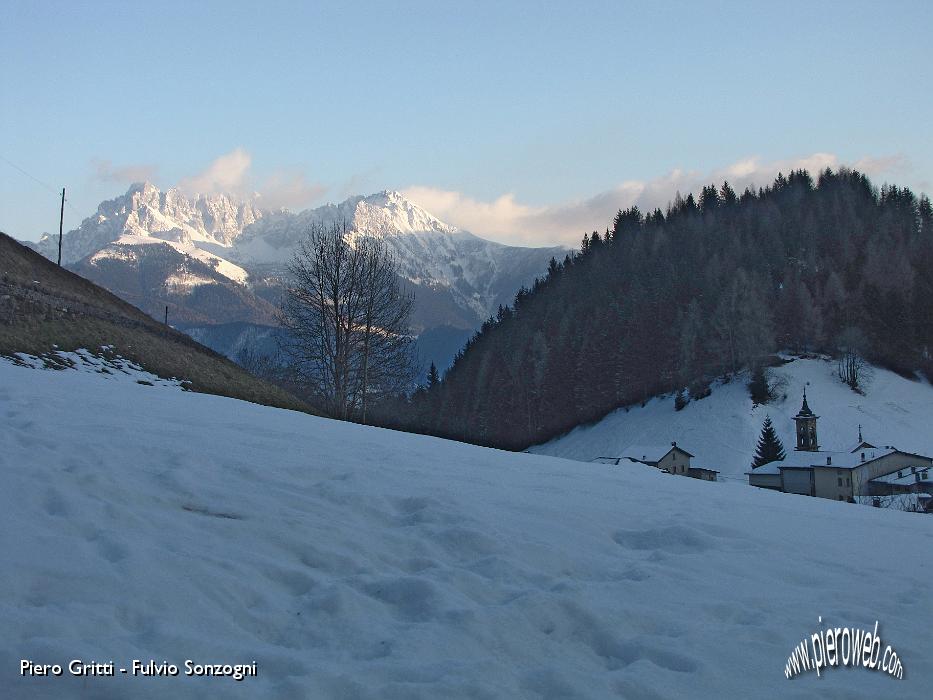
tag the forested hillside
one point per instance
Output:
(669, 300)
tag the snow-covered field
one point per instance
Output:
(722, 430)
(143, 522)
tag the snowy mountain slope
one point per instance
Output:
(457, 276)
(353, 562)
(385, 214)
(479, 274)
(722, 430)
(154, 275)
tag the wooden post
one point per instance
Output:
(61, 221)
(166, 314)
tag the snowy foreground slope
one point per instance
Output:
(723, 429)
(143, 522)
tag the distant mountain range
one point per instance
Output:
(214, 260)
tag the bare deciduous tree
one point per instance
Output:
(347, 321)
(852, 367)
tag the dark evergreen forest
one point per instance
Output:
(666, 301)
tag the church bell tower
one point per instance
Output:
(806, 427)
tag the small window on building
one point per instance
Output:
(840, 481)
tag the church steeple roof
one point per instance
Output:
(863, 444)
(805, 411)
(806, 427)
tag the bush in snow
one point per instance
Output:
(700, 389)
(680, 400)
(758, 386)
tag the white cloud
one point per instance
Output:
(501, 219)
(884, 164)
(508, 220)
(225, 175)
(106, 171)
(231, 174)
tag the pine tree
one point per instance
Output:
(433, 377)
(770, 448)
(709, 199)
(727, 194)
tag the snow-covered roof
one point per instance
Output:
(650, 453)
(704, 469)
(646, 453)
(832, 460)
(907, 476)
(770, 468)
(618, 461)
(864, 445)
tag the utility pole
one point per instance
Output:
(61, 221)
(166, 314)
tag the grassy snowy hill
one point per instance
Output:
(45, 308)
(723, 429)
(354, 562)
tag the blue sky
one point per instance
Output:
(525, 122)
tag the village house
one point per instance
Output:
(671, 459)
(864, 471)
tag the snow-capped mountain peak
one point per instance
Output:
(146, 214)
(390, 213)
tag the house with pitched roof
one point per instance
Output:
(671, 459)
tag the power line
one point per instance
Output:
(32, 177)
(44, 184)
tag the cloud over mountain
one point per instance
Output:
(106, 171)
(232, 174)
(508, 220)
(226, 174)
